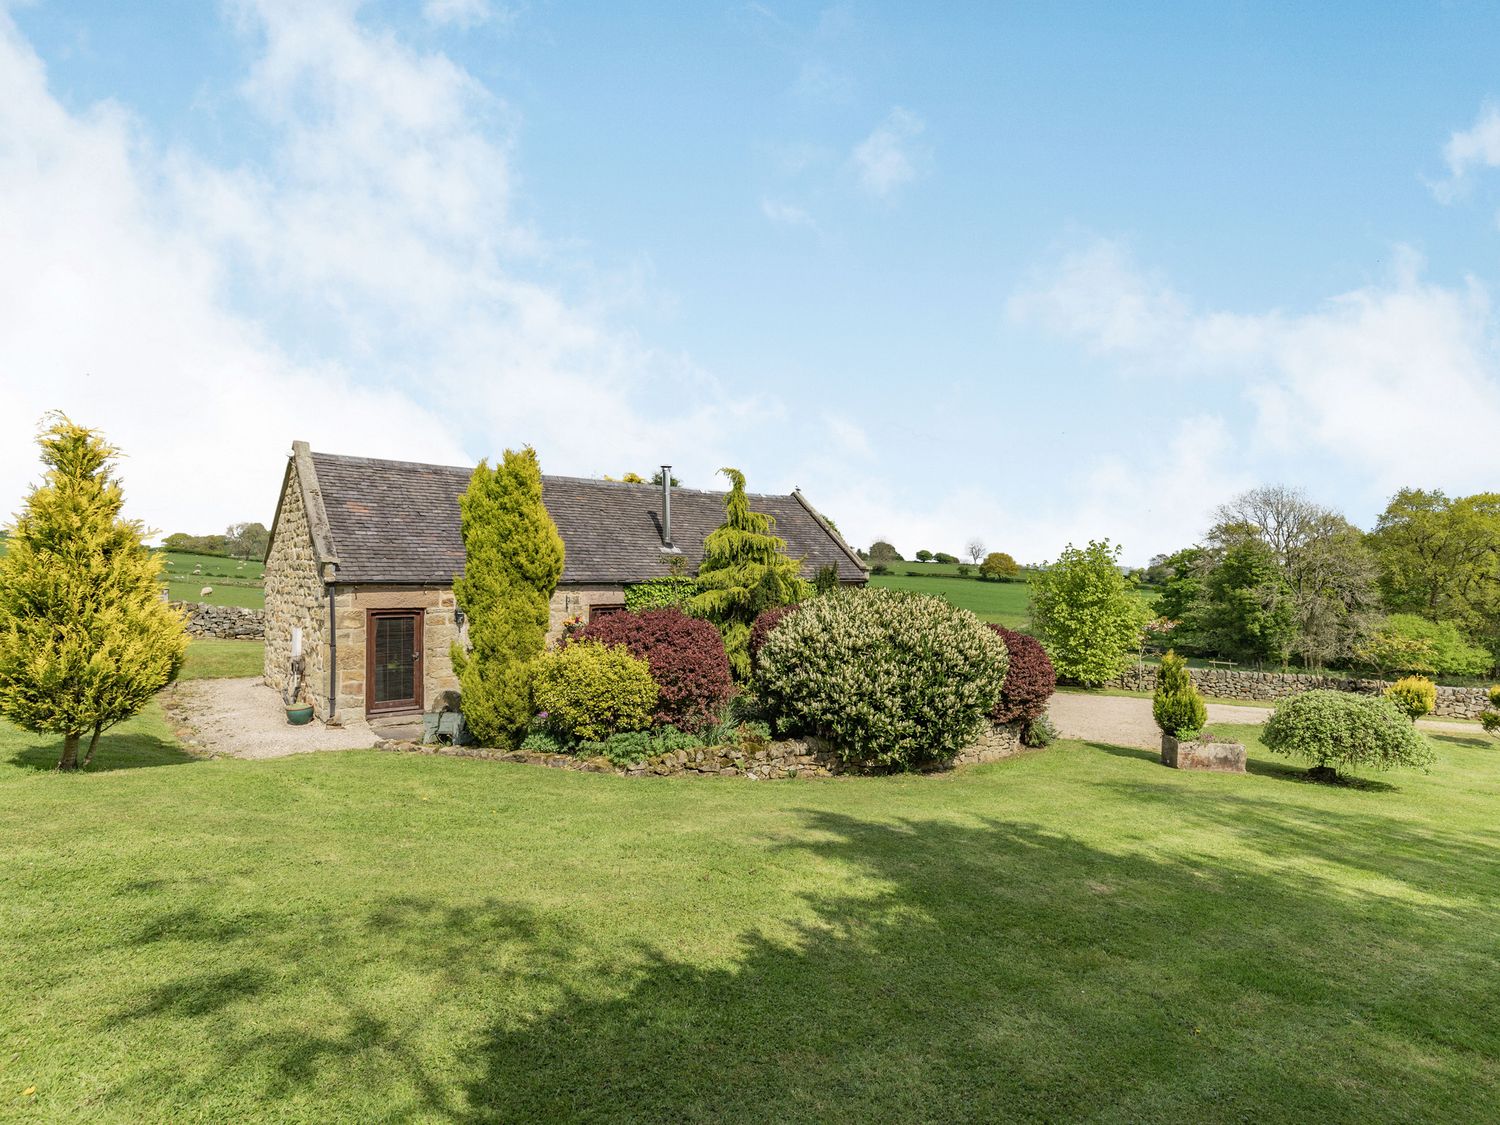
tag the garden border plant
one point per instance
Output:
(1335, 731)
(894, 681)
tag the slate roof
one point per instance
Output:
(398, 522)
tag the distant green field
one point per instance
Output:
(235, 582)
(212, 566)
(1005, 603)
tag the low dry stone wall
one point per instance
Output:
(1268, 687)
(224, 622)
(784, 758)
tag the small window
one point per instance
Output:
(605, 610)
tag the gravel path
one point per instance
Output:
(1122, 720)
(246, 719)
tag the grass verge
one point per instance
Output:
(1074, 933)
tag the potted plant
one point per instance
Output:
(1181, 713)
(297, 714)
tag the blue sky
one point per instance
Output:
(1033, 273)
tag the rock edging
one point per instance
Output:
(774, 760)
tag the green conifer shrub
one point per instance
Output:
(1177, 705)
(513, 558)
(591, 691)
(745, 570)
(85, 637)
(1414, 695)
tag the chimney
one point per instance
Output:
(666, 508)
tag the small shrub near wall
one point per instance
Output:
(1029, 679)
(891, 679)
(687, 659)
(1333, 730)
(1414, 695)
(590, 691)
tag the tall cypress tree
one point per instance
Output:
(745, 570)
(85, 637)
(513, 558)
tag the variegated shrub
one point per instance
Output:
(891, 679)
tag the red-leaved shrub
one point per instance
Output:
(767, 620)
(687, 660)
(1029, 681)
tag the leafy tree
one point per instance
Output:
(974, 548)
(944, 557)
(513, 558)
(883, 552)
(1328, 572)
(745, 570)
(999, 567)
(85, 638)
(1405, 642)
(1440, 557)
(249, 541)
(1180, 576)
(924, 556)
(1087, 613)
(1245, 606)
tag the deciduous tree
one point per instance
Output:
(1087, 613)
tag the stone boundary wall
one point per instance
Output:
(224, 622)
(1268, 687)
(785, 758)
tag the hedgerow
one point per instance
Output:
(891, 679)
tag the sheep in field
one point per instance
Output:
(203, 593)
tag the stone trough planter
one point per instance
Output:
(1224, 757)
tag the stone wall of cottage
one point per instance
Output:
(772, 760)
(439, 630)
(571, 601)
(224, 622)
(295, 597)
(1268, 687)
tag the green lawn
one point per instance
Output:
(1007, 603)
(209, 659)
(1077, 933)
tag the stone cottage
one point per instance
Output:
(364, 553)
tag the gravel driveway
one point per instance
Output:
(246, 719)
(1122, 720)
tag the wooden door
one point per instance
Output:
(393, 660)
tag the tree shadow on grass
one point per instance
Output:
(983, 971)
(117, 751)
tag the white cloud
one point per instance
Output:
(890, 157)
(459, 13)
(1397, 383)
(1475, 147)
(363, 285)
(785, 214)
